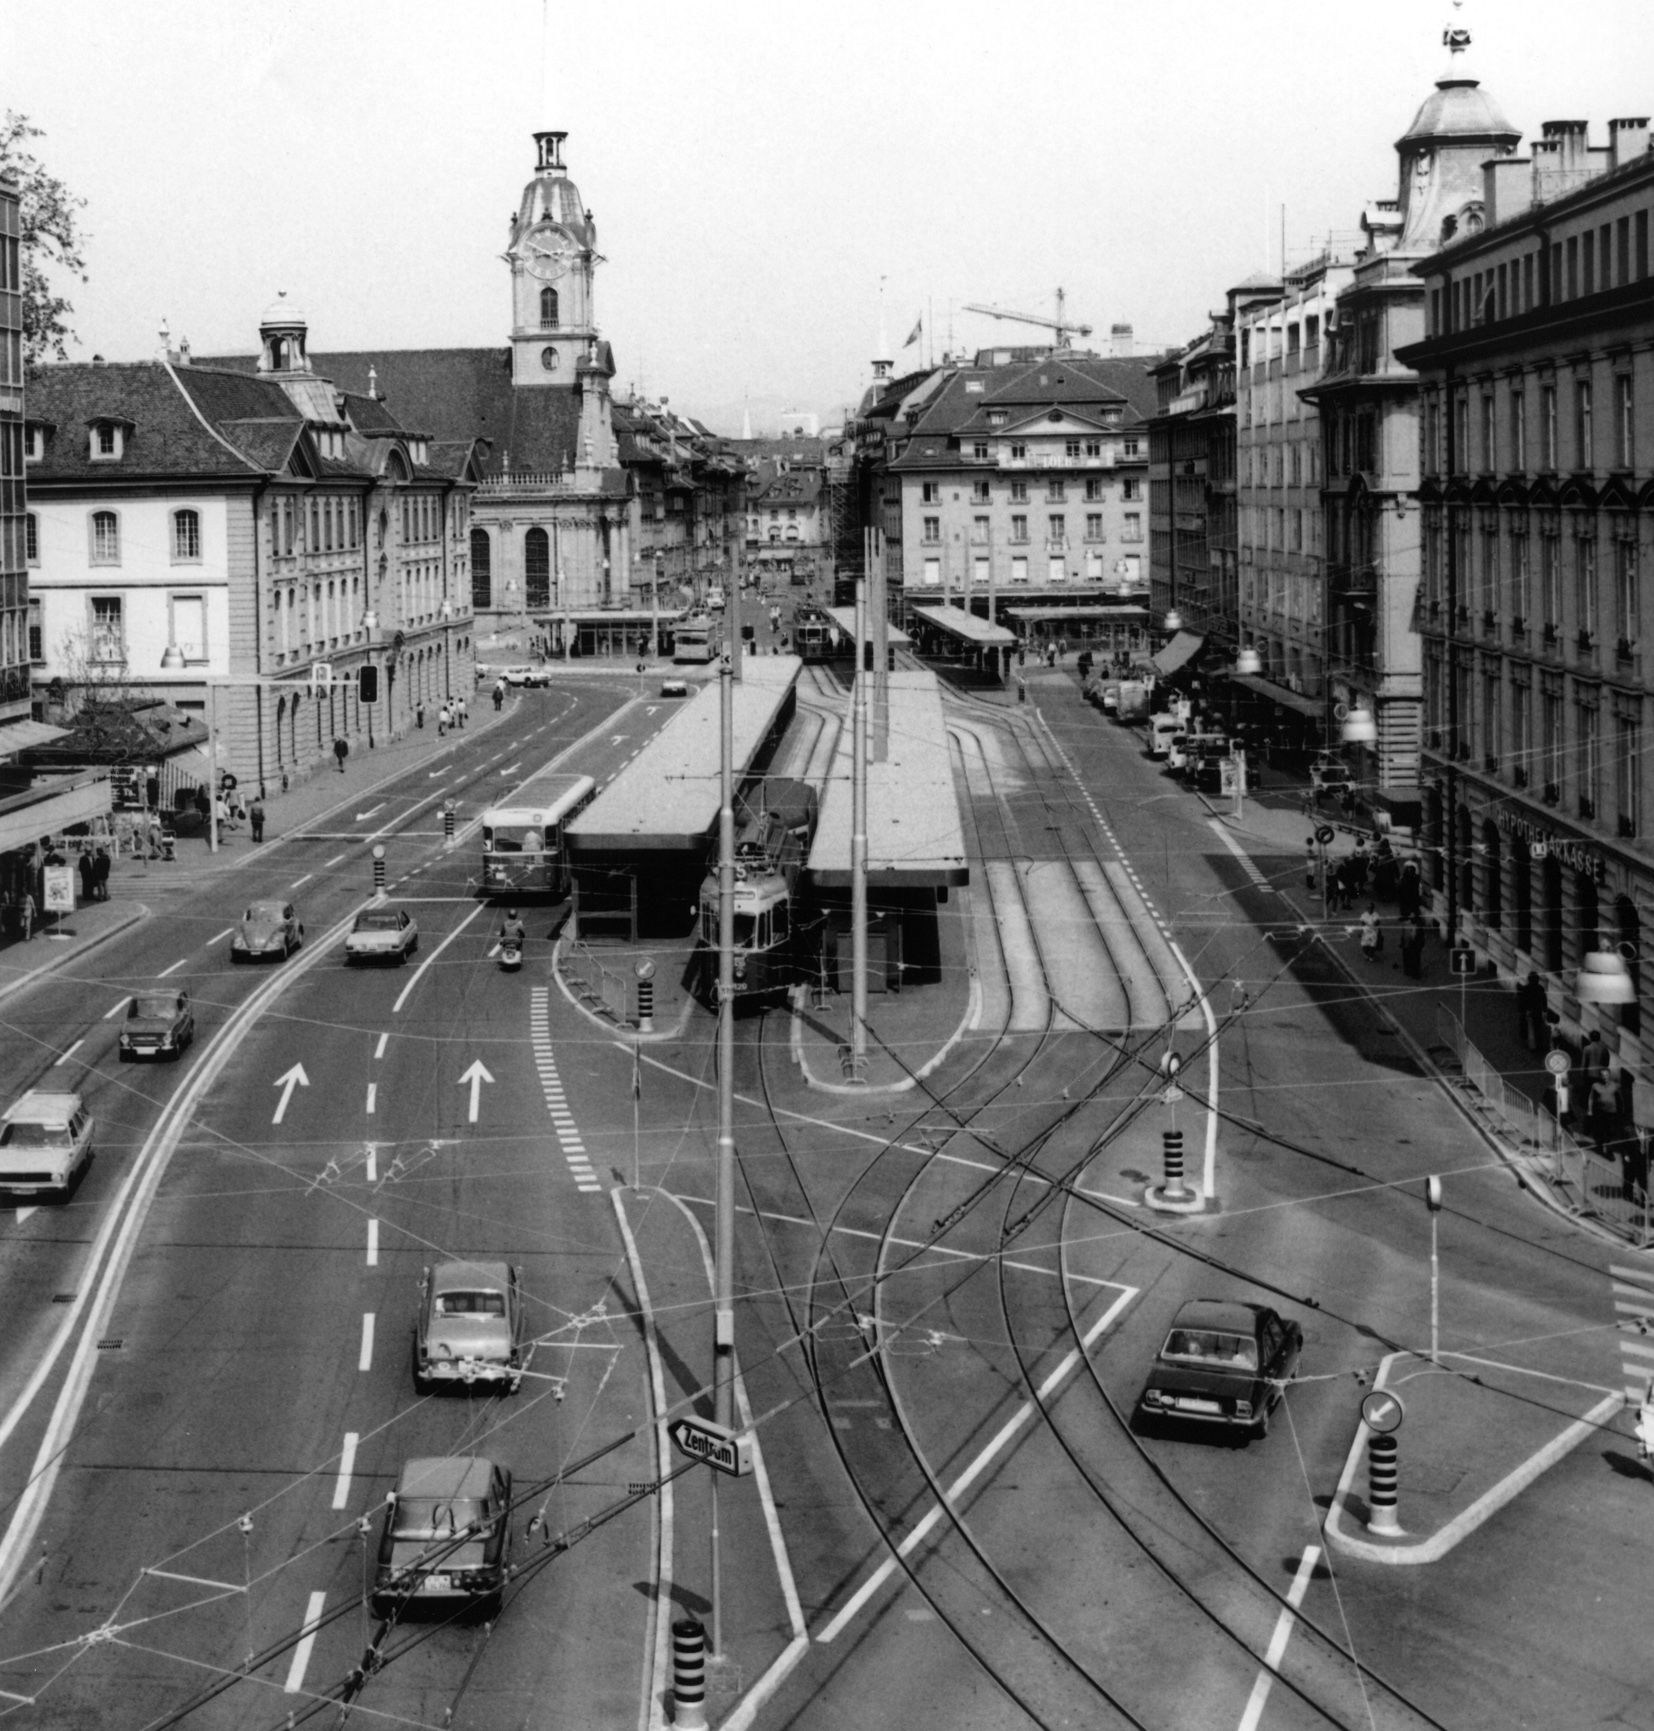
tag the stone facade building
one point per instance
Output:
(14, 571)
(1536, 375)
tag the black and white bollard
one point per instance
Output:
(378, 869)
(645, 972)
(1172, 1144)
(448, 824)
(689, 1675)
(1382, 1479)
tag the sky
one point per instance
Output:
(766, 178)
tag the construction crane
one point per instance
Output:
(1061, 325)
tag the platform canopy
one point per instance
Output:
(914, 838)
(1127, 611)
(845, 619)
(967, 627)
(1183, 647)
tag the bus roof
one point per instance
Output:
(543, 798)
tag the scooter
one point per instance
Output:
(511, 955)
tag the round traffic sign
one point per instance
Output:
(1382, 1411)
(1324, 834)
(645, 969)
(1557, 1063)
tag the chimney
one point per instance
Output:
(1572, 141)
(167, 352)
(373, 383)
(1507, 188)
(1627, 139)
(1119, 341)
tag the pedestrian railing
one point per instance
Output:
(603, 988)
(1590, 1182)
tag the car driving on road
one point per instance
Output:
(470, 1326)
(266, 929)
(157, 1025)
(382, 935)
(45, 1143)
(445, 1539)
(1225, 1364)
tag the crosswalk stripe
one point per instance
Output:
(1644, 1277)
(1637, 1349)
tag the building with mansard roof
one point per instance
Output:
(214, 538)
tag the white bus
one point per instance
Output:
(522, 839)
(692, 641)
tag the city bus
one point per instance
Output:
(522, 838)
(692, 641)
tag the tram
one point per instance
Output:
(774, 825)
(523, 852)
(692, 641)
(819, 639)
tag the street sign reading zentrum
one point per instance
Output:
(726, 1450)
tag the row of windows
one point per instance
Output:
(106, 628)
(1485, 441)
(1292, 463)
(103, 529)
(1056, 490)
(1056, 570)
(1056, 528)
(1073, 450)
(1608, 255)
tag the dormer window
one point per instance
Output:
(34, 444)
(996, 417)
(108, 442)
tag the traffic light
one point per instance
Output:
(367, 684)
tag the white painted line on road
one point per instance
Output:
(173, 969)
(364, 1360)
(373, 1242)
(301, 1653)
(974, 1471)
(219, 937)
(347, 1465)
(363, 816)
(69, 1054)
(287, 1082)
(307, 1641)
(419, 972)
(329, 864)
(110, 1014)
(373, 1164)
(379, 1050)
(1277, 1641)
(1248, 864)
(299, 882)
(373, 1089)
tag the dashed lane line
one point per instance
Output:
(1247, 863)
(307, 1641)
(347, 1466)
(551, 1085)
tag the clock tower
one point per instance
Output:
(552, 254)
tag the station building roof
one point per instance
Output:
(968, 627)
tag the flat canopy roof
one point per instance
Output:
(914, 839)
(611, 615)
(1312, 706)
(1043, 615)
(845, 619)
(667, 796)
(1183, 647)
(968, 626)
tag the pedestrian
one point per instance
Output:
(1360, 864)
(1412, 948)
(419, 713)
(341, 750)
(255, 816)
(461, 709)
(1602, 1109)
(1372, 934)
(442, 721)
(1531, 1005)
(1309, 863)
(499, 695)
(1409, 889)
(100, 871)
(88, 879)
(1593, 1057)
(26, 915)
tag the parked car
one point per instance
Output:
(1225, 1364)
(1199, 747)
(266, 929)
(1162, 728)
(157, 1025)
(674, 688)
(470, 1326)
(45, 1142)
(446, 1538)
(382, 935)
(715, 599)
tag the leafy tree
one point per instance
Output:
(51, 237)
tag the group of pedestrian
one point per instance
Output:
(452, 713)
(94, 875)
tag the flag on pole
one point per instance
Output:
(914, 334)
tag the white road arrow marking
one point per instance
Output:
(476, 1076)
(616, 738)
(294, 1078)
(24, 1213)
(512, 768)
(363, 816)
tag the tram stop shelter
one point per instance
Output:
(845, 619)
(915, 841)
(958, 635)
(638, 852)
(618, 631)
(1106, 631)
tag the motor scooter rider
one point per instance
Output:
(513, 933)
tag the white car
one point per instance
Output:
(382, 935)
(45, 1143)
(470, 1326)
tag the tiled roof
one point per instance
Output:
(790, 487)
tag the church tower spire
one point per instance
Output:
(553, 256)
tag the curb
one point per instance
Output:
(581, 1001)
(1434, 1548)
(973, 1013)
(125, 923)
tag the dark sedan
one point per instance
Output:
(157, 1025)
(1223, 1363)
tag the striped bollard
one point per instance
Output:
(1382, 1479)
(378, 869)
(689, 1675)
(645, 972)
(1172, 1143)
(448, 824)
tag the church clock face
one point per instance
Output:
(548, 359)
(548, 257)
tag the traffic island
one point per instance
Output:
(1469, 1435)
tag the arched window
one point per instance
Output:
(186, 535)
(106, 538)
(548, 309)
(482, 569)
(537, 568)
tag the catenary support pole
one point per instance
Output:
(858, 846)
(723, 1314)
(212, 766)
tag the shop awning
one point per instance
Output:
(1183, 647)
(50, 810)
(20, 735)
(1314, 707)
